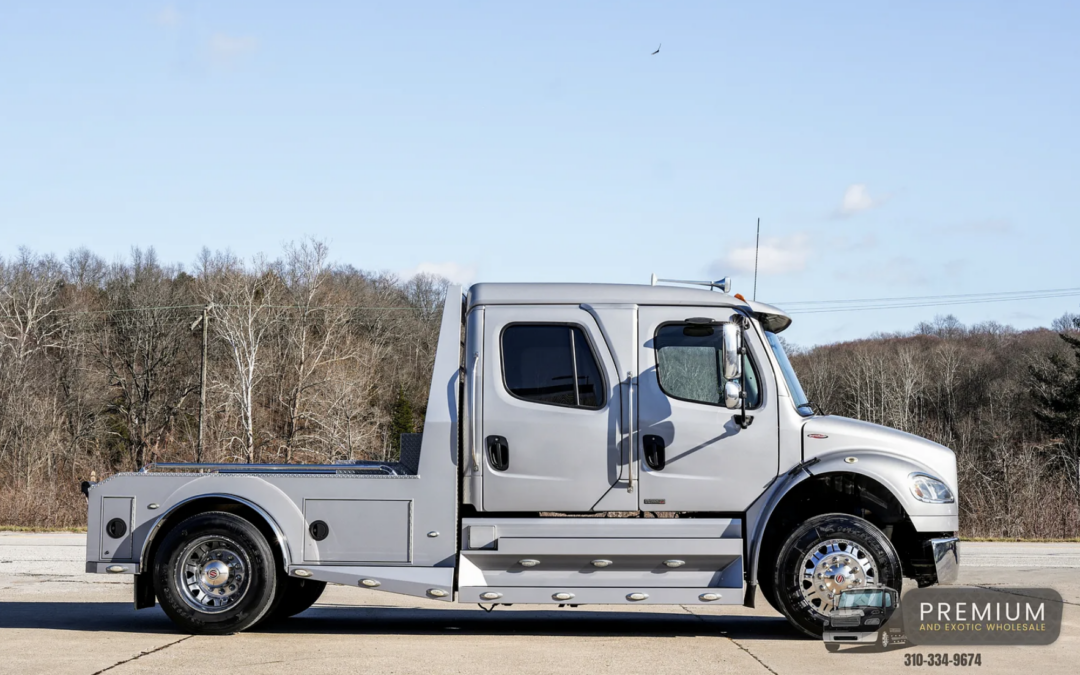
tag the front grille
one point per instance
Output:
(844, 621)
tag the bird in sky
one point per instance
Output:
(658, 49)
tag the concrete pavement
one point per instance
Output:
(55, 619)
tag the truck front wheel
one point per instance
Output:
(215, 574)
(824, 556)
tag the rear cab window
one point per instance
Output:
(551, 364)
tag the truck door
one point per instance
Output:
(551, 410)
(693, 456)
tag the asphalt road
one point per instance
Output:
(55, 619)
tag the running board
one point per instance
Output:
(601, 561)
(508, 595)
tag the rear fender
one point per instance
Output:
(280, 512)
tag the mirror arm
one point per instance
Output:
(742, 419)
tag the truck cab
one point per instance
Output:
(583, 444)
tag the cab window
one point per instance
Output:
(552, 364)
(689, 365)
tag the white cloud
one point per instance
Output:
(778, 255)
(168, 17)
(451, 271)
(228, 48)
(857, 199)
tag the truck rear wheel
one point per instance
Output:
(298, 595)
(825, 555)
(215, 574)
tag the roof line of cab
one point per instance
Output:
(772, 318)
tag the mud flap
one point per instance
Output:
(750, 596)
(144, 591)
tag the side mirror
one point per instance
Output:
(732, 351)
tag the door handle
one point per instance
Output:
(654, 452)
(498, 453)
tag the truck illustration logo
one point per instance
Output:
(865, 616)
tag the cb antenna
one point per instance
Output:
(757, 247)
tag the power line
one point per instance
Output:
(127, 310)
(930, 297)
(940, 303)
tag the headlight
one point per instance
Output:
(871, 622)
(926, 488)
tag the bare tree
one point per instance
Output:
(142, 342)
(314, 335)
(245, 310)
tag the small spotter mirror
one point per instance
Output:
(732, 395)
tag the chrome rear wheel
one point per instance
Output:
(215, 574)
(212, 574)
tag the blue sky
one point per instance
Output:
(890, 149)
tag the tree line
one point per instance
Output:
(311, 361)
(100, 366)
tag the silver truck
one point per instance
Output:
(583, 444)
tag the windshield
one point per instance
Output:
(867, 598)
(797, 394)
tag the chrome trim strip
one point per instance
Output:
(271, 468)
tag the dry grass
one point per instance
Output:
(1073, 540)
(20, 528)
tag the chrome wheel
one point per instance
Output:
(833, 566)
(212, 574)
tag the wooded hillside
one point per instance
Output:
(100, 367)
(309, 361)
(989, 392)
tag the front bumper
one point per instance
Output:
(850, 637)
(946, 555)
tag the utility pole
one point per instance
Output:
(757, 247)
(205, 321)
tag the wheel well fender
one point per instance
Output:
(265, 506)
(836, 486)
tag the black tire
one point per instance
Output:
(252, 566)
(297, 596)
(832, 647)
(788, 581)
